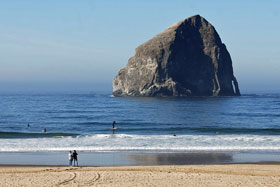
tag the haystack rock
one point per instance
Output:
(187, 59)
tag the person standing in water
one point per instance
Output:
(70, 155)
(75, 157)
(114, 123)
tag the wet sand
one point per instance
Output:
(135, 158)
(183, 175)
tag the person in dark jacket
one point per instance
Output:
(75, 157)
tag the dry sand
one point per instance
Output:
(192, 175)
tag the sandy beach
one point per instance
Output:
(191, 175)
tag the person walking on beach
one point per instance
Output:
(70, 155)
(75, 157)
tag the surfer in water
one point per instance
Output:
(114, 123)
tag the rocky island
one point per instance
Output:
(187, 59)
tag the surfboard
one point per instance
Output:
(112, 129)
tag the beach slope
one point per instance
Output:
(192, 175)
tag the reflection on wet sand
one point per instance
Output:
(181, 158)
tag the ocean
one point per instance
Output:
(250, 123)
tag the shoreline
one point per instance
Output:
(87, 159)
(120, 166)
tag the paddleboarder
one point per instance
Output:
(114, 123)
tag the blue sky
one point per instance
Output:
(81, 45)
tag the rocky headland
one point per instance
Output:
(187, 59)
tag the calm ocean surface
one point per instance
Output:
(83, 122)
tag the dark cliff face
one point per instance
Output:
(187, 59)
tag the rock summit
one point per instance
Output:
(187, 59)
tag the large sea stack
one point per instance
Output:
(187, 59)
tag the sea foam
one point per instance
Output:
(128, 142)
